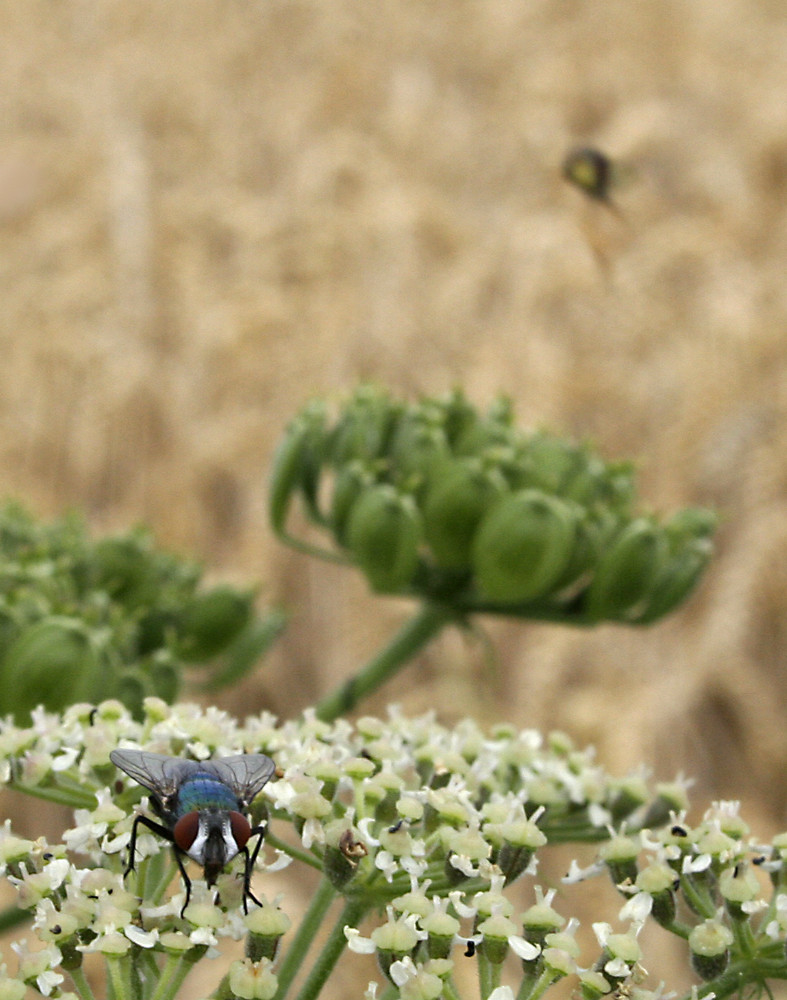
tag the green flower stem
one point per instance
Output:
(739, 975)
(175, 970)
(539, 987)
(81, 985)
(13, 917)
(294, 852)
(350, 916)
(119, 973)
(449, 989)
(305, 935)
(697, 897)
(72, 797)
(488, 974)
(745, 943)
(415, 634)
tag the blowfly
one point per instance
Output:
(203, 809)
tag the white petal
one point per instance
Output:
(501, 993)
(357, 943)
(524, 949)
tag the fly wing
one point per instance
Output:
(158, 773)
(245, 773)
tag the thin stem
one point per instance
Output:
(119, 970)
(698, 897)
(484, 975)
(299, 946)
(415, 634)
(541, 985)
(76, 799)
(488, 975)
(81, 985)
(449, 989)
(175, 970)
(349, 917)
(294, 852)
(12, 917)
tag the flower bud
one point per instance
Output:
(710, 948)
(442, 929)
(496, 931)
(516, 842)
(659, 880)
(522, 546)
(384, 534)
(620, 854)
(539, 920)
(266, 925)
(394, 940)
(738, 885)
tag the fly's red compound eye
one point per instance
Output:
(241, 831)
(185, 830)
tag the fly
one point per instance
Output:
(203, 809)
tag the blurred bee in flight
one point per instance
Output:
(595, 174)
(598, 176)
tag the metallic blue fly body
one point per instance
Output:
(203, 808)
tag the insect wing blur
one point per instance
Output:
(203, 807)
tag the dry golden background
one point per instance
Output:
(211, 211)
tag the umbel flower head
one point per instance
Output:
(431, 835)
(435, 500)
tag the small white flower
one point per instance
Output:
(65, 759)
(618, 968)
(387, 864)
(525, 950)
(401, 970)
(700, 863)
(357, 943)
(145, 939)
(577, 874)
(637, 909)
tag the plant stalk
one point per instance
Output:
(305, 935)
(350, 916)
(410, 639)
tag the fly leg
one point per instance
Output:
(186, 880)
(250, 862)
(162, 831)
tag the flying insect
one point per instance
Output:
(203, 809)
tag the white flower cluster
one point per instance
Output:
(426, 824)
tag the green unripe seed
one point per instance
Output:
(52, 663)
(453, 509)
(627, 571)
(384, 534)
(522, 546)
(350, 482)
(211, 621)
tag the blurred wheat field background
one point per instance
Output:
(211, 212)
